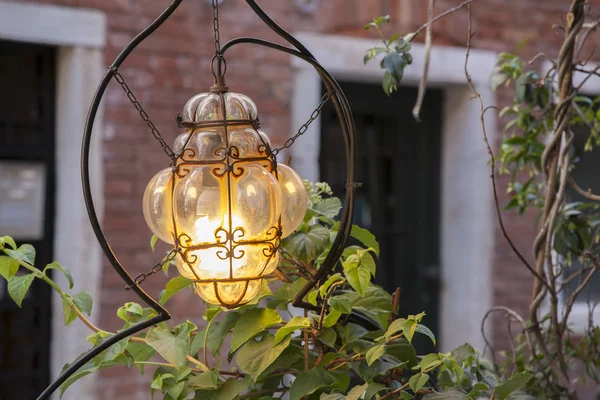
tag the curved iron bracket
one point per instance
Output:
(346, 119)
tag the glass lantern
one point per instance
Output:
(225, 204)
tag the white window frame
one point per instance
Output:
(80, 35)
(467, 214)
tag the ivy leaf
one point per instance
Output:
(307, 246)
(229, 390)
(328, 337)
(375, 353)
(310, 381)
(329, 208)
(68, 312)
(429, 362)
(331, 318)
(9, 241)
(330, 281)
(211, 313)
(463, 352)
(357, 392)
(252, 323)
(172, 348)
(359, 276)
(295, 324)
(84, 302)
(130, 312)
(422, 329)
(25, 252)
(153, 241)
(140, 352)
(448, 395)
(256, 356)
(18, 287)
(394, 64)
(417, 381)
(341, 304)
(365, 237)
(373, 389)
(206, 380)
(389, 83)
(62, 269)
(219, 330)
(8, 267)
(173, 286)
(504, 390)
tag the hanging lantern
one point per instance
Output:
(226, 203)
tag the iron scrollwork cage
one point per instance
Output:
(224, 150)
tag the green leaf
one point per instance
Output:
(417, 381)
(310, 381)
(330, 207)
(389, 83)
(8, 267)
(18, 287)
(153, 241)
(394, 64)
(409, 329)
(229, 390)
(422, 329)
(24, 253)
(375, 353)
(373, 389)
(9, 241)
(256, 356)
(140, 352)
(206, 380)
(328, 337)
(130, 312)
(62, 269)
(68, 311)
(341, 304)
(252, 323)
(173, 286)
(403, 351)
(504, 390)
(430, 362)
(219, 331)
(359, 278)
(211, 313)
(463, 352)
(365, 237)
(449, 395)
(357, 392)
(308, 246)
(295, 324)
(172, 348)
(331, 318)
(84, 302)
(330, 281)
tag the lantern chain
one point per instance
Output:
(121, 80)
(288, 257)
(157, 267)
(315, 114)
(215, 7)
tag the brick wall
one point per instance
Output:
(173, 65)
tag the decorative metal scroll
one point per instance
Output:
(342, 107)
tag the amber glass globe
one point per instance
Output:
(226, 204)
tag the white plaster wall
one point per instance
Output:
(467, 202)
(80, 36)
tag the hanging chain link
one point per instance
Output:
(288, 257)
(143, 113)
(315, 114)
(142, 277)
(215, 6)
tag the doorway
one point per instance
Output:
(27, 182)
(398, 164)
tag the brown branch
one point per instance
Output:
(423, 83)
(483, 110)
(442, 15)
